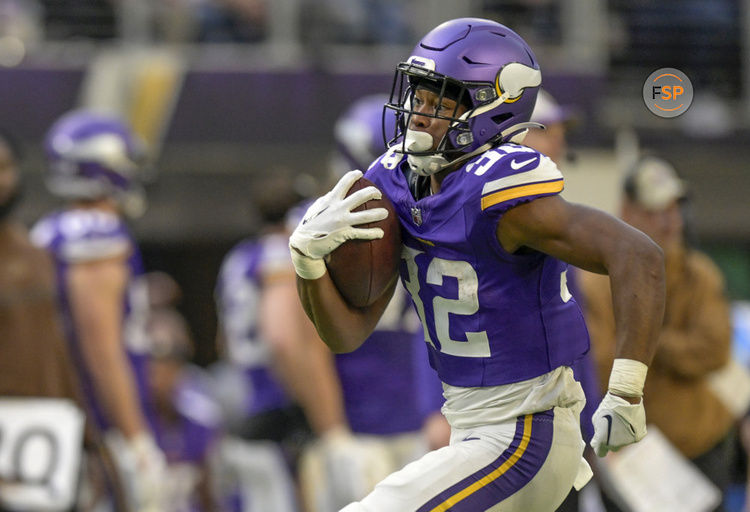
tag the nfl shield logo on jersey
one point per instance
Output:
(416, 215)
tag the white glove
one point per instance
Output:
(143, 468)
(617, 423)
(329, 222)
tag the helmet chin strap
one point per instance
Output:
(517, 132)
(427, 165)
(423, 165)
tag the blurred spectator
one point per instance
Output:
(93, 164)
(225, 21)
(163, 290)
(79, 19)
(703, 40)
(696, 335)
(381, 435)
(557, 120)
(34, 362)
(359, 21)
(188, 421)
(540, 21)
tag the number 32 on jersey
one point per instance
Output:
(476, 344)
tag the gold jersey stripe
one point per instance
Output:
(524, 190)
(426, 242)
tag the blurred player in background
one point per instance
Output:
(93, 164)
(383, 434)
(187, 421)
(287, 373)
(485, 237)
(695, 338)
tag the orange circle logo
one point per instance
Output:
(668, 92)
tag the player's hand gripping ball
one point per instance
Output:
(352, 233)
(363, 269)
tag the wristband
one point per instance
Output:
(627, 378)
(307, 267)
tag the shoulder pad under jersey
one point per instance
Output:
(388, 160)
(276, 257)
(236, 262)
(83, 235)
(511, 174)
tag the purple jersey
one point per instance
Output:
(238, 295)
(393, 349)
(84, 235)
(489, 317)
(190, 437)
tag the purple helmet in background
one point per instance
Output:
(361, 133)
(91, 156)
(480, 64)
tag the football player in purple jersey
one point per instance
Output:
(486, 237)
(93, 164)
(383, 434)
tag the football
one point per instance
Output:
(363, 269)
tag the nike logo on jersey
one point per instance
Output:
(608, 417)
(470, 439)
(517, 165)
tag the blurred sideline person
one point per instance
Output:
(163, 290)
(187, 420)
(552, 142)
(32, 337)
(485, 238)
(287, 379)
(695, 338)
(93, 164)
(557, 120)
(383, 434)
(39, 389)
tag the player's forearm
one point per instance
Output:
(307, 369)
(342, 327)
(638, 291)
(116, 388)
(321, 396)
(304, 362)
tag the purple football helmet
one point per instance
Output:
(480, 64)
(91, 155)
(361, 133)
